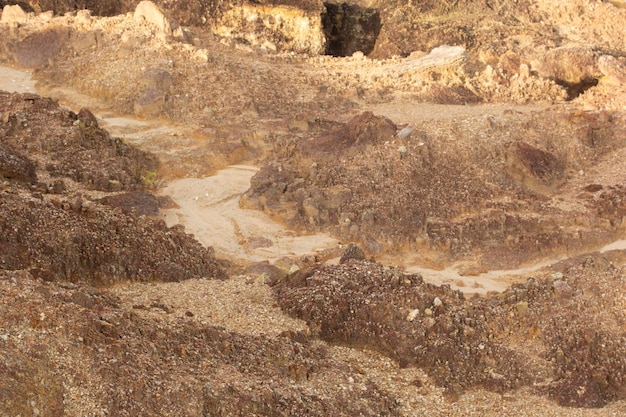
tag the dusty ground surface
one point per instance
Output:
(489, 168)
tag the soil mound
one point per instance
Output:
(476, 185)
(550, 332)
(66, 146)
(53, 223)
(111, 361)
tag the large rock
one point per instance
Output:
(16, 166)
(149, 12)
(13, 14)
(150, 104)
(570, 64)
(39, 48)
(154, 85)
(362, 130)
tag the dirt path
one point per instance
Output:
(209, 208)
(16, 81)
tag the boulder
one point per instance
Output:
(150, 104)
(353, 251)
(13, 14)
(16, 166)
(149, 12)
(139, 203)
(570, 64)
(39, 48)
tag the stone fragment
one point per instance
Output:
(149, 12)
(412, 314)
(405, 132)
(613, 69)
(13, 15)
(570, 64)
(353, 251)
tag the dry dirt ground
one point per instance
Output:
(490, 174)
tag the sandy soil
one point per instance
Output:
(209, 208)
(16, 81)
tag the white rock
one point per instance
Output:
(405, 132)
(358, 55)
(557, 275)
(83, 17)
(412, 314)
(151, 13)
(437, 302)
(13, 14)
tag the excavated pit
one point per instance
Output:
(576, 89)
(349, 28)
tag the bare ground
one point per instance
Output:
(202, 130)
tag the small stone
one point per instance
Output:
(428, 312)
(557, 275)
(429, 322)
(404, 132)
(358, 55)
(412, 314)
(562, 290)
(437, 302)
(522, 307)
(353, 251)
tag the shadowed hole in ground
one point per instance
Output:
(576, 89)
(349, 28)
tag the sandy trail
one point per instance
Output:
(209, 208)
(16, 81)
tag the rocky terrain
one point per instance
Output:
(457, 137)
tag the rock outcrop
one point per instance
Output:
(279, 25)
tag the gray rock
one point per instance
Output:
(353, 251)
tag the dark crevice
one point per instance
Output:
(349, 28)
(576, 89)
